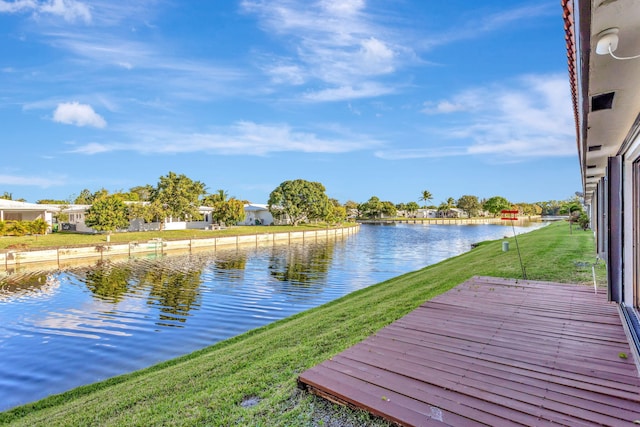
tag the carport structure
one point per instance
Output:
(13, 210)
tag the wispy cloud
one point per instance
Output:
(342, 93)
(286, 73)
(241, 138)
(69, 10)
(332, 41)
(104, 13)
(112, 55)
(30, 180)
(529, 119)
(74, 113)
(479, 25)
(96, 148)
(344, 44)
(103, 49)
(144, 66)
(17, 6)
(467, 101)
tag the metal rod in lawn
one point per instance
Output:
(524, 273)
(511, 218)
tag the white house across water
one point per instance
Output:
(12, 210)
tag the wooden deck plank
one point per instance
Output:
(443, 400)
(539, 353)
(558, 361)
(364, 395)
(516, 405)
(492, 352)
(519, 396)
(486, 369)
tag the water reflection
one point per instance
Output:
(29, 285)
(302, 266)
(170, 285)
(109, 281)
(230, 265)
(174, 291)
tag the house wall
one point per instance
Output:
(76, 217)
(264, 217)
(140, 225)
(426, 213)
(82, 228)
(25, 216)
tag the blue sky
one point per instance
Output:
(370, 98)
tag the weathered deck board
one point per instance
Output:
(492, 352)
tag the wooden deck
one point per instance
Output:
(492, 352)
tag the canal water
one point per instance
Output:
(62, 329)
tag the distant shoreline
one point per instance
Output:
(63, 257)
(449, 221)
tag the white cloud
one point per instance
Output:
(43, 182)
(354, 110)
(443, 107)
(287, 73)
(333, 41)
(70, 10)
(479, 25)
(376, 55)
(467, 101)
(530, 118)
(342, 93)
(342, 43)
(93, 148)
(17, 6)
(241, 138)
(181, 77)
(342, 7)
(74, 113)
(105, 49)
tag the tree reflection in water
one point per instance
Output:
(22, 285)
(230, 265)
(302, 265)
(109, 281)
(169, 284)
(174, 287)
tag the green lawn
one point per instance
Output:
(208, 386)
(63, 239)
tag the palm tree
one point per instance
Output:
(451, 202)
(219, 196)
(426, 196)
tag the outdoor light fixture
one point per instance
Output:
(608, 43)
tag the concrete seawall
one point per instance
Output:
(15, 260)
(449, 221)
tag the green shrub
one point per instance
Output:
(19, 228)
(38, 226)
